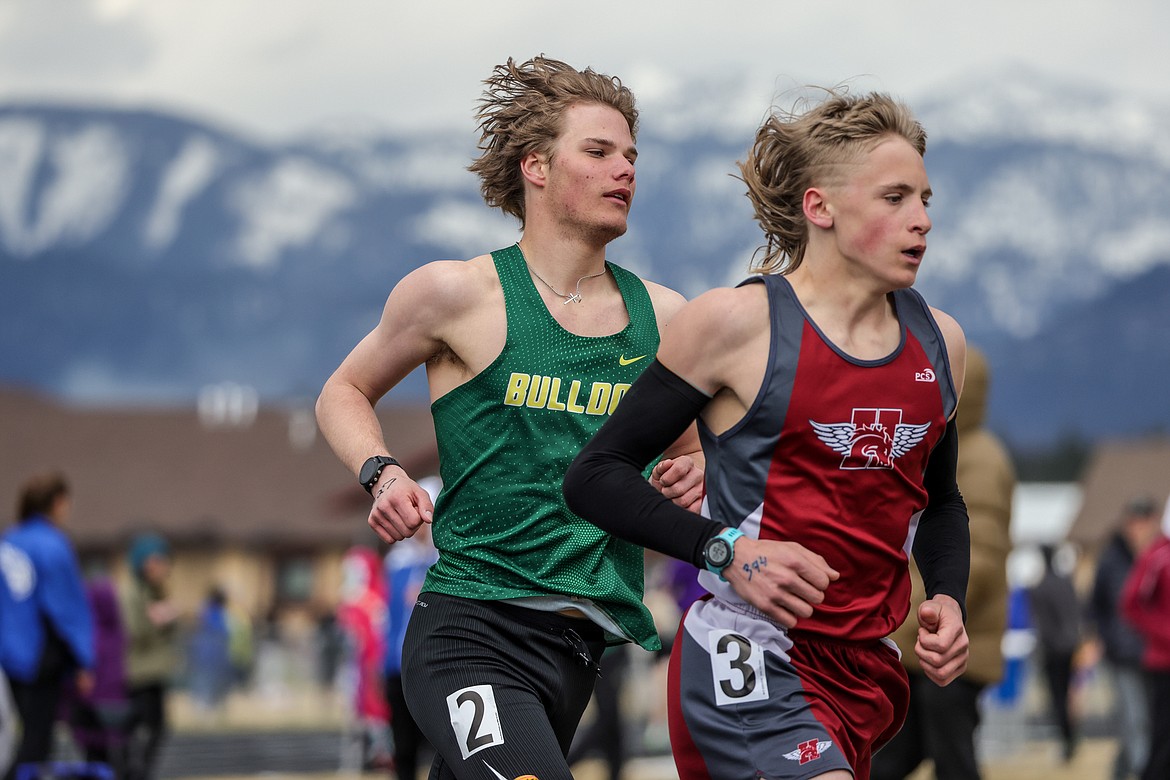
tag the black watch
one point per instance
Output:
(372, 469)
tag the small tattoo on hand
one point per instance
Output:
(385, 485)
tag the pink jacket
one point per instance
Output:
(362, 615)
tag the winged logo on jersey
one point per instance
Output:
(872, 439)
(809, 751)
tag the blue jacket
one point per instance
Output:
(41, 586)
(406, 567)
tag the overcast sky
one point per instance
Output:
(277, 68)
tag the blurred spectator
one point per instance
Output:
(682, 582)
(270, 673)
(1056, 612)
(606, 733)
(1145, 603)
(8, 722)
(46, 634)
(209, 664)
(940, 725)
(152, 657)
(241, 649)
(406, 567)
(362, 618)
(1120, 643)
(330, 645)
(98, 720)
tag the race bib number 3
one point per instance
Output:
(475, 719)
(737, 668)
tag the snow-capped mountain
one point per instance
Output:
(143, 256)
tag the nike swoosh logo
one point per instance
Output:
(625, 361)
(492, 769)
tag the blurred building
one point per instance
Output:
(1118, 472)
(250, 497)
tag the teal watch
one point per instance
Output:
(720, 550)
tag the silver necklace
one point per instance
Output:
(574, 297)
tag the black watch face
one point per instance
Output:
(369, 469)
(718, 552)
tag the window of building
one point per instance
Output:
(294, 579)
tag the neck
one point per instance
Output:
(849, 300)
(562, 263)
(857, 319)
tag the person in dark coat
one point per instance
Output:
(1056, 615)
(1120, 643)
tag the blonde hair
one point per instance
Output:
(521, 112)
(794, 151)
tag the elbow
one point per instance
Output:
(319, 408)
(327, 401)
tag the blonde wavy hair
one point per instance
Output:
(521, 112)
(793, 151)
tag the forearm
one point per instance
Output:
(605, 485)
(942, 543)
(347, 420)
(688, 445)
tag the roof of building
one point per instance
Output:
(1119, 472)
(253, 475)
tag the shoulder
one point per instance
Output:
(739, 306)
(956, 344)
(666, 301)
(723, 318)
(448, 282)
(440, 292)
(948, 325)
(42, 534)
(988, 448)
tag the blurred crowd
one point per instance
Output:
(96, 659)
(1111, 630)
(79, 650)
(90, 663)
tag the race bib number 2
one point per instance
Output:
(475, 719)
(737, 668)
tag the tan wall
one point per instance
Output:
(327, 578)
(248, 577)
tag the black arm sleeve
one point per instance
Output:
(942, 543)
(605, 486)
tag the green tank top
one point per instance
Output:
(506, 438)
